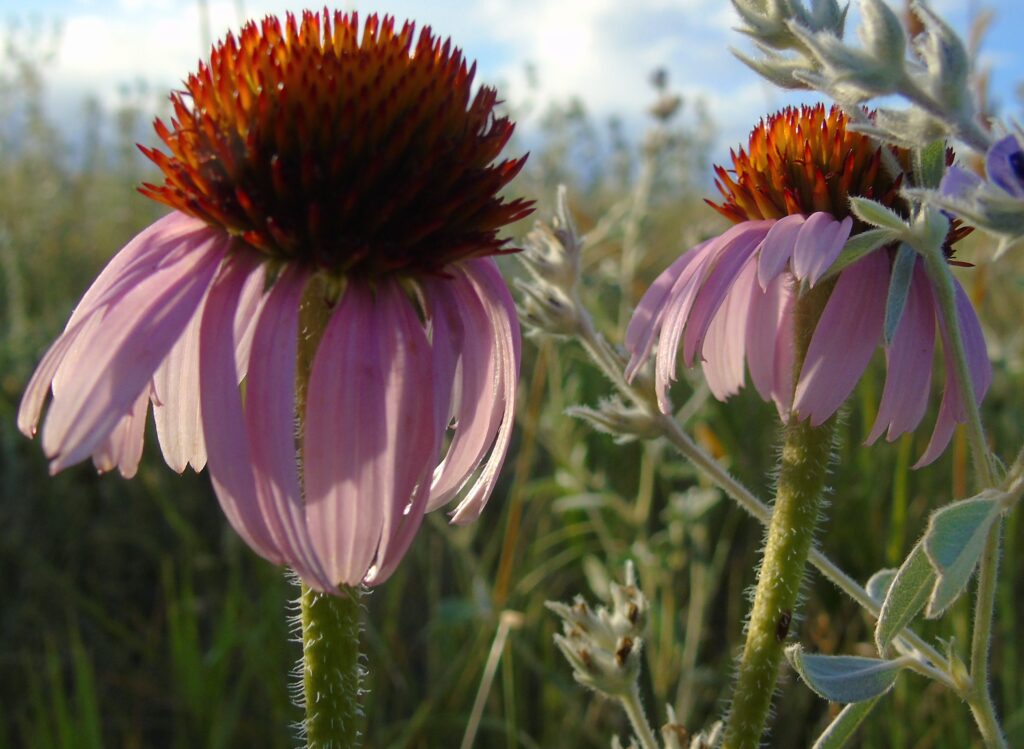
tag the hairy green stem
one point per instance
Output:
(805, 457)
(635, 711)
(980, 697)
(331, 673)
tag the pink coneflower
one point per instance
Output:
(321, 170)
(730, 299)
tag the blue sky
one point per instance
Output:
(600, 50)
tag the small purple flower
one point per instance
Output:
(1004, 165)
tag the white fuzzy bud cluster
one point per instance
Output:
(805, 49)
(603, 645)
(551, 255)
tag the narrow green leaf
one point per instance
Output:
(907, 595)
(841, 729)
(953, 542)
(899, 288)
(930, 164)
(877, 214)
(878, 584)
(845, 678)
(860, 245)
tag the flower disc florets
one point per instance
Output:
(358, 153)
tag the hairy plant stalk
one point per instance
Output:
(798, 499)
(635, 711)
(331, 672)
(980, 697)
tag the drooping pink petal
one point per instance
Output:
(250, 303)
(123, 448)
(270, 425)
(497, 303)
(176, 410)
(140, 324)
(785, 353)
(682, 297)
(228, 456)
(646, 320)
(844, 339)
(777, 248)
(480, 406)
(832, 243)
(815, 240)
(730, 261)
(725, 343)
(763, 317)
(951, 409)
(369, 428)
(908, 363)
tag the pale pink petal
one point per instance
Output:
(414, 415)
(725, 342)
(785, 353)
(369, 431)
(815, 239)
(447, 336)
(951, 410)
(832, 243)
(123, 448)
(497, 302)
(480, 405)
(735, 253)
(139, 326)
(643, 326)
(908, 363)
(844, 339)
(777, 248)
(762, 328)
(176, 410)
(270, 418)
(250, 302)
(228, 457)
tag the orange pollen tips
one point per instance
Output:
(362, 153)
(803, 161)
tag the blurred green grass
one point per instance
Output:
(131, 616)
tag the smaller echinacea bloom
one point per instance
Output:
(729, 301)
(317, 172)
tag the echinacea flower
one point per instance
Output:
(315, 168)
(730, 300)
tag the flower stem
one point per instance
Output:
(635, 711)
(331, 673)
(805, 456)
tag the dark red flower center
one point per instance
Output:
(359, 153)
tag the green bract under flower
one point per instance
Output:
(358, 153)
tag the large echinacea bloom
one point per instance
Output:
(730, 300)
(318, 172)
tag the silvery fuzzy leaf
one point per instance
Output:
(907, 595)
(840, 730)
(845, 678)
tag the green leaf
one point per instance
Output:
(878, 584)
(953, 542)
(842, 728)
(860, 245)
(845, 678)
(907, 595)
(930, 164)
(899, 288)
(877, 214)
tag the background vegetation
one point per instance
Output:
(131, 616)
